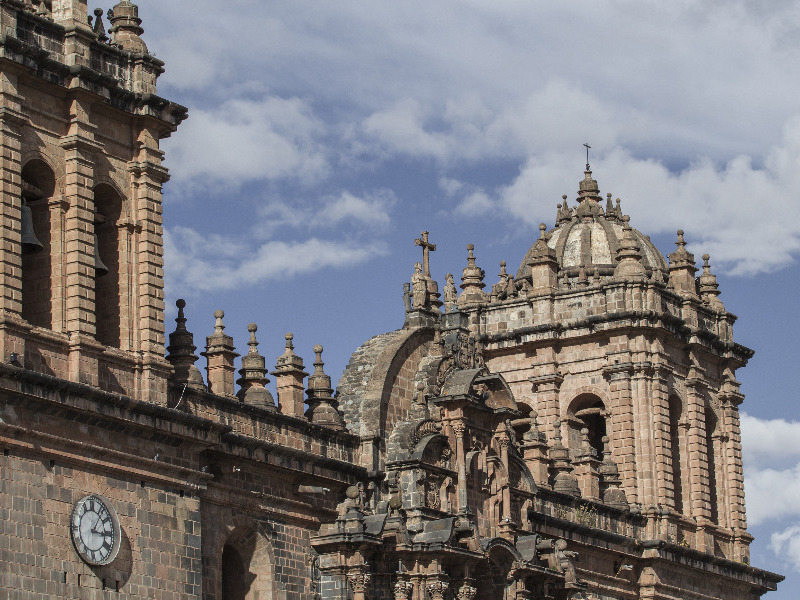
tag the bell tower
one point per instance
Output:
(81, 264)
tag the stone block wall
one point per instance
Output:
(159, 556)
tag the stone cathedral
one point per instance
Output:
(568, 432)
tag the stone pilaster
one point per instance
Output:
(642, 416)
(699, 496)
(148, 177)
(12, 119)
(623, 437)
(662, 456)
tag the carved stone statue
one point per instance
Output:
(419, 287)
(450, 293)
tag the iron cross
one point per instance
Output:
(587, 155)
(427, 248)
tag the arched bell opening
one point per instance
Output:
(38, 185)
(587, 411)
(107, 251)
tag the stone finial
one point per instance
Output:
(98, 28)
(609, 207)
(321, 403)
(504, 288)
(534, 434)
(586, 447)
(181, 352)
(472, 281)
(564, 211)
(220, 354)
(588, 187)
(610, 483)
(708, 286)
(289, 374)
(252, 376)
(629, 256)
(450, 293)
(543, 266)
(682, 269)
(126, 27)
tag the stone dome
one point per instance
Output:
(589, 236)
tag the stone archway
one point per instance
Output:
(247, 565)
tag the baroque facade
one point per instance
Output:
(571, 432)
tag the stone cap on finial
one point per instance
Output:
(219, 341)
(472, 281)
(180, 352)
(253, 376)
(629, 255)
(319, 383)
(681, 257)
(708, 286)
(126, 27)
(289, 361)
(321, 403)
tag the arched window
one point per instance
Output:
(38, 184)
(108, 208)
(711, 451)
(587, 411)
(676, 443)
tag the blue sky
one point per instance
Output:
(324, 136)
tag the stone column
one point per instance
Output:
(359, 582)
(507, 526)
(459, 428)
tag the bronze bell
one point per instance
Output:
(30, 243)
(100, 268)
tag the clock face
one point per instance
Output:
(95, 530)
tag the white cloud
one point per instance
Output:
(243, 140)
(772, 468)
(372, 209)
(201, 264)
(786, 544)
(475, 204)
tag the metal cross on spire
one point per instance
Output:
(587, 146)
(427, 248)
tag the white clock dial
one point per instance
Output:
(95, 530)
